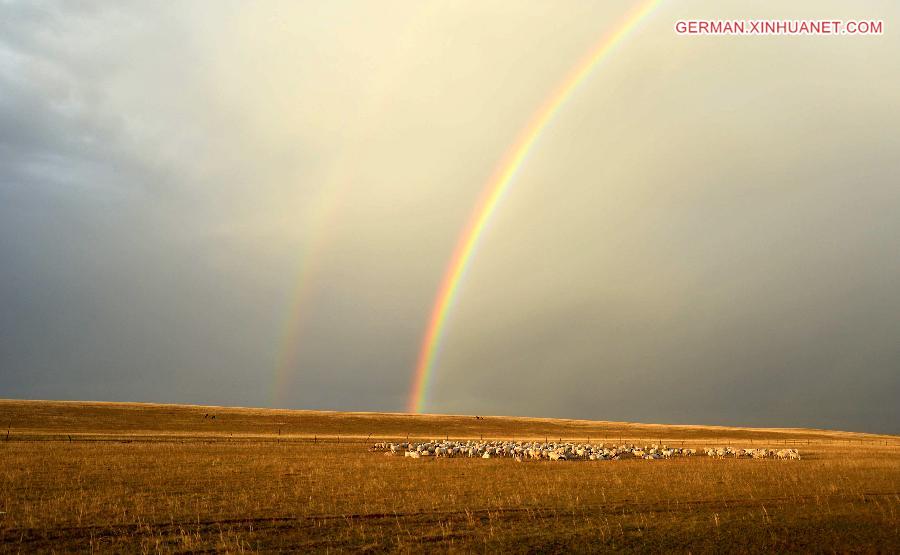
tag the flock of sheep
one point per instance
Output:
(521, 451)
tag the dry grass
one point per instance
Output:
(148, 478)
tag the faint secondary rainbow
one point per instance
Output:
(307, 269)
(322, 223)
(494, 191)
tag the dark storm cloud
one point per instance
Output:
(98, 296)
(707, 233)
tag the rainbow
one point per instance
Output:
(493, 193)
(320, 236)
(307, 271)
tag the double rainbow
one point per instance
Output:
(493, 193)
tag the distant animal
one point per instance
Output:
(565, 451)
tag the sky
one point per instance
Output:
(254, 204)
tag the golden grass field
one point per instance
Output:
(137, 477)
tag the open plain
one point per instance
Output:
(138, 477)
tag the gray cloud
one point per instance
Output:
(706, 233)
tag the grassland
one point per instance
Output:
(130, 477)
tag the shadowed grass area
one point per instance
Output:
(63, 418)
(165, 478)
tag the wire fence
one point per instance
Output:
(12, 436)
